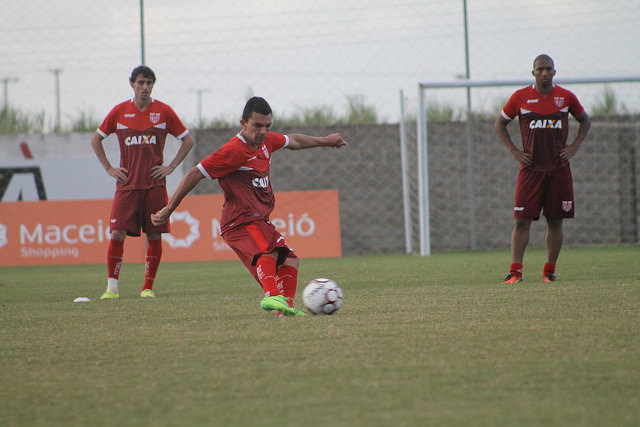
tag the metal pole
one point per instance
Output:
(56, 72)
(199, 93)
(423, 177)
(5, 82)
(405, 178)
(142, 53)
(470, 140)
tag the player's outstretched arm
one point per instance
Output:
(299, 141)
(187, 183)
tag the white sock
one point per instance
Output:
(112, 285)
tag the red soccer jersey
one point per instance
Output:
(243, 174)
(544, 123)
(141, 135)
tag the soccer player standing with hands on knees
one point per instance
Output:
(141, 125)
(544, 180)
(241, 167)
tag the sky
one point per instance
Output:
(303, 54)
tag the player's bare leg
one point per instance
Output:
(553, 240)
(519, 242)
(114, 263)
(152, 262)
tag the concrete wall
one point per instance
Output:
(368, 177)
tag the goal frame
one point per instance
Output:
(422, 143)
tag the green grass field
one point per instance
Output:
(419, 341)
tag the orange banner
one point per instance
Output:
(77, 232)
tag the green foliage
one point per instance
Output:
(441, 112)
(608, 105)
(13, 121)
(419, 341)
(314, 116)
(216, 123)
(85, 121)
(359, 113)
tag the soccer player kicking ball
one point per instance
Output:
(142, 125)
(241, 167)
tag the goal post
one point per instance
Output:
(422, 140)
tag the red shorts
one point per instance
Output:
(549, 191)
(257, 238)
(131, 210)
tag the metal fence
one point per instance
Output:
(210, 55)
(70, 59)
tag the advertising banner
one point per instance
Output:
(77, 231)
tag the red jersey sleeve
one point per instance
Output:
(276, 141)
(575, 108)
(227, 159)
(511, 110)
(175, 125)
(109, 124)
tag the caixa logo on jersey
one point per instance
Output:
(546, 124)
(261, 182)
(21, 183)
(140, 140)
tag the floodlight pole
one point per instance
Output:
(142, 52)
(199, 92)
(56, 72)
(5, 82)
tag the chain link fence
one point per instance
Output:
(210, 55)
(67, 62)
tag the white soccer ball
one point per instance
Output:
(322, 296)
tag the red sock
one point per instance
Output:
(287, 280)
(548, 268)
(152, 262)
(516, 269)
(267, 275)
(114, 258)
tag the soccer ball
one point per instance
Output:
(322, 296)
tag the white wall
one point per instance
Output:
(68, 165)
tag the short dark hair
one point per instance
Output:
(543, 56)
(256, 105)
(145, 71)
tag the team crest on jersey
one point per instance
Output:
(559, 100)
(567, 205)
(154, 117)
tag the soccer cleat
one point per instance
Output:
(512, 278)
(298, 312)
(549, 277)
(279, 303)
(109, 295)
(147, 293)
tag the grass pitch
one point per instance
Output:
(419, 341)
